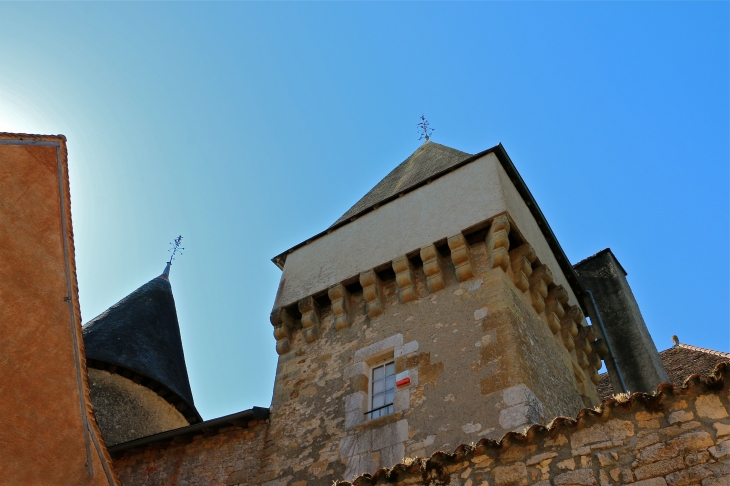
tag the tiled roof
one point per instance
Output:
(429, 160)
(140, 333)
(680, 362)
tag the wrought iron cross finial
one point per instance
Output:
(424, 130)
(176, 248)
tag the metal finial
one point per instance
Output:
(166, 271)
(424, 130)
(175, 248)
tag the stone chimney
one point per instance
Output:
(636, 355)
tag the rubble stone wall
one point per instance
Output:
(228, 456)
(677, 437)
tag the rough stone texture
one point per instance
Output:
(45, 397)
(232, 456)
(606, 446)
(473, 350)
(126, 411)
(635, 352)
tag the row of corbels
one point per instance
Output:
(529, 275)
(434, 267)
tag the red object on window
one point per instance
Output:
(403, 382)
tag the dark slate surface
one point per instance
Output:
(141, 333)
(430, 159)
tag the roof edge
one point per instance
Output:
(522, 190)
(280, 259)
(92, 362)
(255, 413)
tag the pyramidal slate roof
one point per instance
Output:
(429, 160)
(140, 335)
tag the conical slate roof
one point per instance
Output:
(429, 160)
(140, 335)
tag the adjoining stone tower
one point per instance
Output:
(438, 310)
(137, 374)
(636, 356)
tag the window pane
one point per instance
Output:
(378, 386)
(377, 414)
(389, 395)
(378, 373)
(379, 400)
(390, 383)
(388, 410)
(390, 369)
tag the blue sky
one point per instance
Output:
(249, 127)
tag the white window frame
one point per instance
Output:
(383, 411)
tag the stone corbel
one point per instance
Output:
(593, 374)
(461, 257)
(521, 259)
(310, 318)
(372, 292)
(433, 267)
(340, 298)
(599, 345)
(497, 243)
(582, 359)
(283, 326)
(404, 279)
(539, 280)
(557, 297)
(569, 326)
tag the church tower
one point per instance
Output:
(137, 374)
(438, 310)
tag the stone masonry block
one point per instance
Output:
(379, 347)
(359, 368)
(651, 482)
(353, 418)
(406, 349)
(402, 400)
(392, 455)
(615, 430)
(583, 477)
(391, 434)
(512, 475)
(710, 406)
(355, 401)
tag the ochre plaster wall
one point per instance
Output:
(126, 410)
(43, 387)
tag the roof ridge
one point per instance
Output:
(585, 417)
(704, 350)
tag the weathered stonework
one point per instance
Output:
(126, 410)
(637, 440)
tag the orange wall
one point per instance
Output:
(44, 398)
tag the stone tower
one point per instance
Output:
(137, 374)
(439, 309)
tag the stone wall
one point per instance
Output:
(678, 436)
(228, 456)
(481, 332)
(126, 410)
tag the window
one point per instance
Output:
(382, 389)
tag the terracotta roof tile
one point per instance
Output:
(680, 362)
